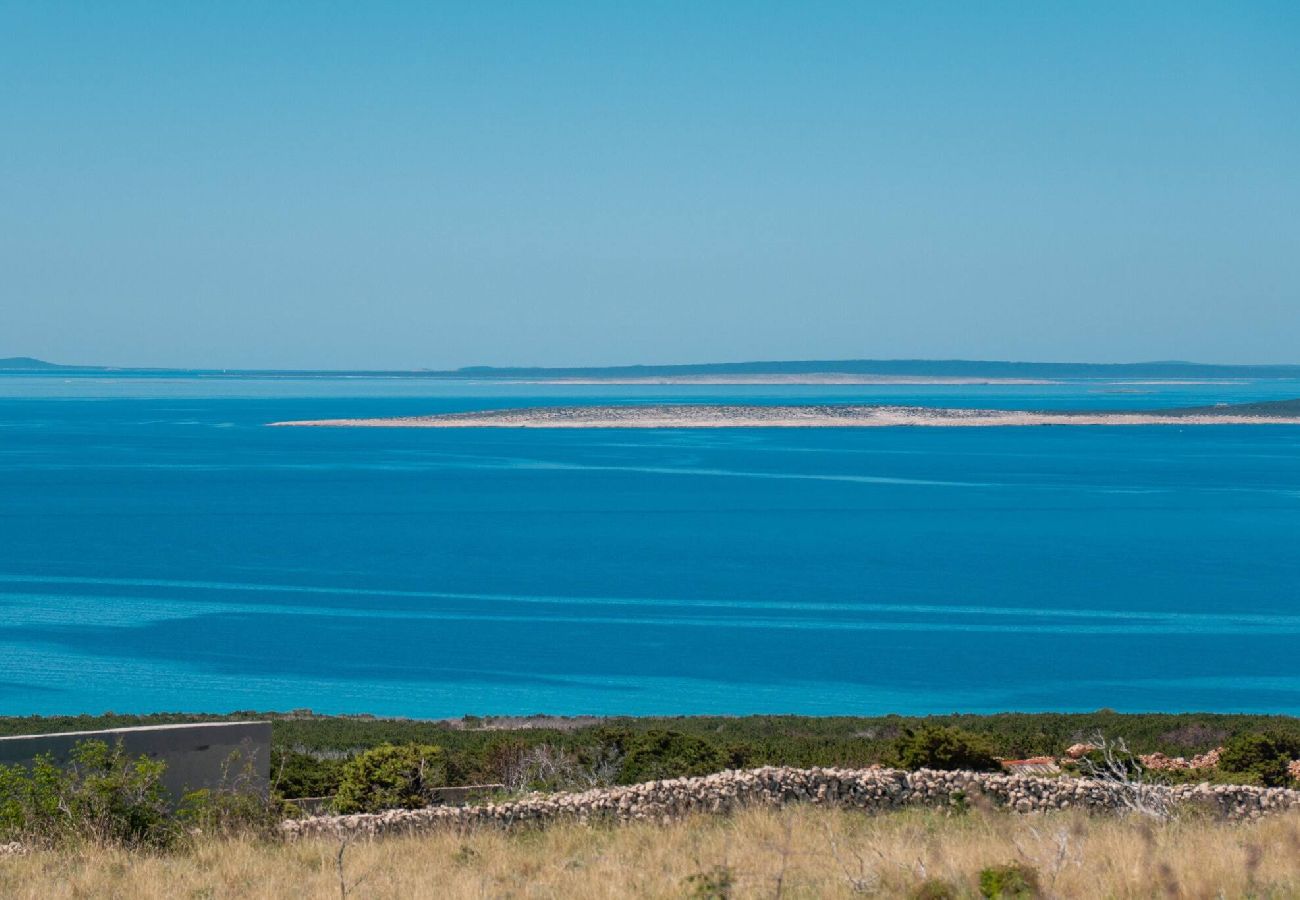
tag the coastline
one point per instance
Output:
(809, 416)
(776, 378)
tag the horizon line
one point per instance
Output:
(28, 364)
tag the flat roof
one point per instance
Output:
(134, 728)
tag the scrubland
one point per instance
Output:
(796, 851)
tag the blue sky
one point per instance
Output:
(435, 184)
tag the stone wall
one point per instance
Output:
(874, 790)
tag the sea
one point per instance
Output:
(161, 549)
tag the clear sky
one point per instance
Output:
(424, 184)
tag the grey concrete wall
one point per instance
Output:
(203, 755)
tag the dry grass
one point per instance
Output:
(796, 852)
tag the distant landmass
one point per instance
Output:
(27, 364)
(775, 371)
(944, 368)
(712, 415)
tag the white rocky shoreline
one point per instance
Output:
(804, 416)
(778, 378)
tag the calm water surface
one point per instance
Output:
(160, 549)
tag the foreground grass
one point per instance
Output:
(795, 852)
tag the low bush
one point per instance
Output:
(715, 884)
(656, 755)
(391, 777)
(102, 796)
(943, 747)
(237, 805)
(1265, 756)
(1013, 881)
(550, 768)
(295, 774)
(934, 889)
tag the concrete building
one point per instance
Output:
(200, 755)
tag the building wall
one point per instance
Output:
(203, 755)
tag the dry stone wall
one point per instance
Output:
(873, 790)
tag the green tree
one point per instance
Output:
(297, 774)
(1264, 756)
(655, 755)
(391, 777)
(944, 747)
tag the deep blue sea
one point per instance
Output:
(160, 549)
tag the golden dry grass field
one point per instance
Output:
(794, 852)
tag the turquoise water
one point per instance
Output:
(161, 550)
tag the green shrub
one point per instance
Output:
(237, 805)
(944, 747)
(934, 889)
(228, 812)
(391, 777)
(297, 774)
(29, 798)
(715, 884)
(1264, 756)
(655, 755)
(101, 796)
(1013, 881)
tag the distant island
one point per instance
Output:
(664, 415)
(978, 370)
(775, 372)
(28, 364)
